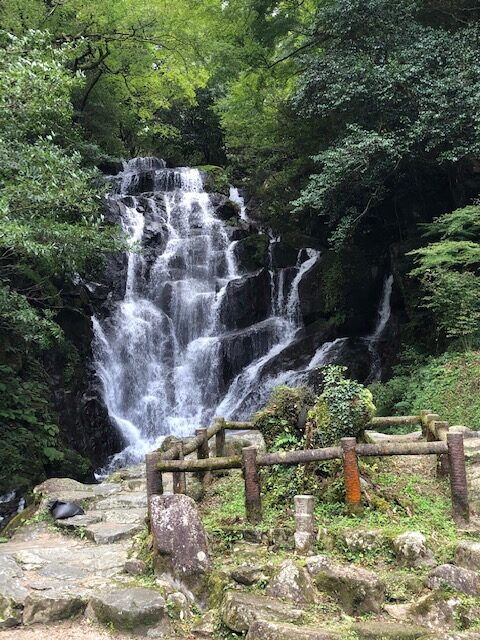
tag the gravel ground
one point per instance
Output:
(71, 630)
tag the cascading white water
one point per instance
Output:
(238, 199)
(384, 313)
(187, 340)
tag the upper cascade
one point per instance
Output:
(195, 330)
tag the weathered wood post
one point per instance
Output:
(423, 420)
(203, 452)
(154, 477)
(220, 438)
(251, 476)
(430, 418)
(353, 493)
(458, 476)
(179, 477)
(440, 429)
(304, 524)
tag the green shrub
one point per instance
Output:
(448, 385)
(279, 421)
(343, 408)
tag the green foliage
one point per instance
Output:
(448, 272)
(278, 421)
(30, 437)
(138, 59)
(447, 384)
(386, 110)
(343, 408)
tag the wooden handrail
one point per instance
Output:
(440, 441)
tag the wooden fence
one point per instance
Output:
(439, 440)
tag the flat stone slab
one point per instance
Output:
(79, 522)
(380, 630)
(263, 630)
(110, 532)
(126, 515)
(52, 606)
(240, 610)
(128, 608)
(120, 500)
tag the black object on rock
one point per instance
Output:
(61, 510)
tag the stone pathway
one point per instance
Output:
(47, 576)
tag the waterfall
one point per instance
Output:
(384, 313)
(238, 199)
(193, 334)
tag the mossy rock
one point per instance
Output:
(215, 179)
(381, 630)
(252, 252)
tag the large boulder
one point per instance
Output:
(263, 630)
(412, 551)
(467, 554)
(129, 609)
(52, 606)
(246, 301)
(223, 207)
(293, 584)
(180, 542)
(12, 593)
(240, 610)
(356, 590)
(457, 578)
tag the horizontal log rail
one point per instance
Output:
(439, 441)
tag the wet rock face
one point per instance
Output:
(344, 286)
(246, 301)
(223, 207)
(252, 252)
(180, 541)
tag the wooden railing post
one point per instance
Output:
(154, 477)
(203, 452)
(430, 418)
(458, 477)
(179, 477)
(423, 420)
(353, 493)
(253, 496)
(220, 439)
(440, 429)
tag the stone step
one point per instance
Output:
(129, 609)
(132, 499)
(121, 516)
(110, 532)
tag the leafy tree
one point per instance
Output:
(51, 230)
(449, 273)
(137, 59)
(392, 104)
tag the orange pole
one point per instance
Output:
(353, 493)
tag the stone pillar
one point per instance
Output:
(304, 524)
